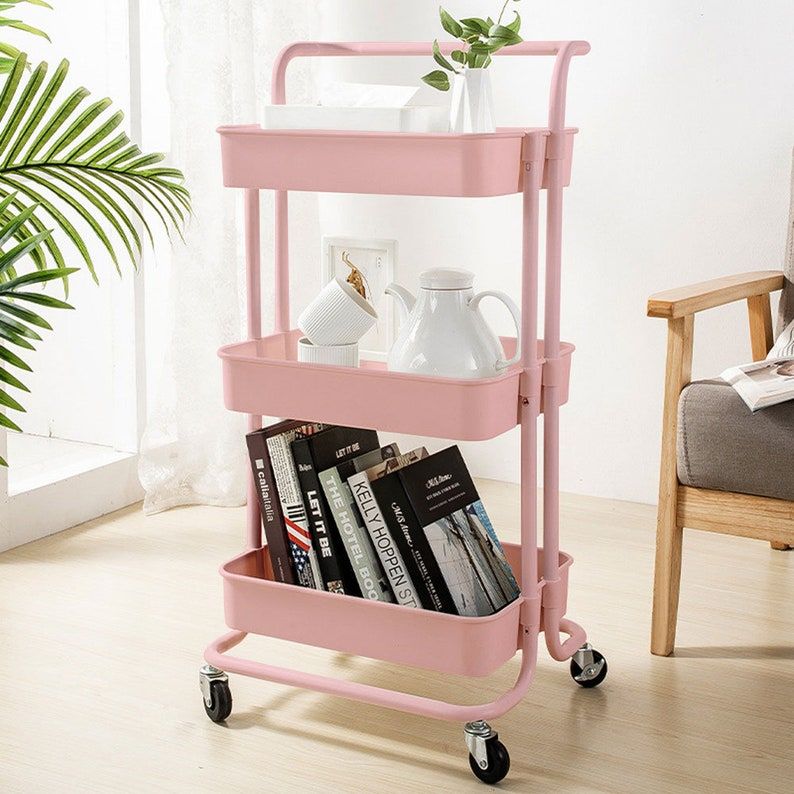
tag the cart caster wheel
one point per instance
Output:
(216, 693)
(488, 757)
(221, 701)
(498, 763)
(588, 667)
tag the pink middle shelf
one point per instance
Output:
(263, 377)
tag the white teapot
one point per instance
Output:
(443, 332)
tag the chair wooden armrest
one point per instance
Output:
(694, 298)
(681, 304)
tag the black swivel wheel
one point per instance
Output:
(488, 757)
(221, 701)
(215, 693)
(588, 667)
(498, 763)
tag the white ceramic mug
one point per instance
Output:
(334, 355)
(337, 316)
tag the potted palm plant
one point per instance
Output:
(64, 160)
(471, 106)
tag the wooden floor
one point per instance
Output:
(102, 629)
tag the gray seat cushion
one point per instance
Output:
(722, 445)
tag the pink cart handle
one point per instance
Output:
(563, 50)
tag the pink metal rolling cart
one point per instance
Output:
(262, 377)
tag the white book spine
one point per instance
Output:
(295, 518)
(390, 557)
(354, 537)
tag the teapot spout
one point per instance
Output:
(405, 299)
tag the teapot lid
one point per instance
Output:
(446, 278)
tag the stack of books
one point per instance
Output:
(344, 514)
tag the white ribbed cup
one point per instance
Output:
(335, 355)
(337, 316)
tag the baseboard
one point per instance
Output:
(51, 508)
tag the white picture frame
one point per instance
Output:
(376, 258)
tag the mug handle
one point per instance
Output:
(508, 301)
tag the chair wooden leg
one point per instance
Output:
(666, 586)
(669, 535)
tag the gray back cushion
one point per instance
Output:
(786, 310)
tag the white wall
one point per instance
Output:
(680, 174)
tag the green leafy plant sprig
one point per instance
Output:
(481, 38)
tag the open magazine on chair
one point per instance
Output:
(763, 383)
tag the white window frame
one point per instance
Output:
(66, 502)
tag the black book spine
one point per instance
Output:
(320, 522)
(407, 532)
(270, 508)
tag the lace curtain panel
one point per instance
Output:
(220, 53)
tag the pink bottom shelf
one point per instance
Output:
(417, 637)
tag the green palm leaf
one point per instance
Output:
(65, 155)
(19, 324)
(9, 53)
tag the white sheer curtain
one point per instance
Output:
(219, 54)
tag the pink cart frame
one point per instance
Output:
(527, 161)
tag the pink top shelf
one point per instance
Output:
(395, 163)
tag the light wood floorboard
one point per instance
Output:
(102, 629)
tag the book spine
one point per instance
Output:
(320, 523)
(296, 523)
(270, 509)
(413, 544)
(392, 561)
(362, 556)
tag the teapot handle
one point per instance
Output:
(508, 301)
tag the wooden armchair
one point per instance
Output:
(719, 470)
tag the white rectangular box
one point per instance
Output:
(412, 118)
